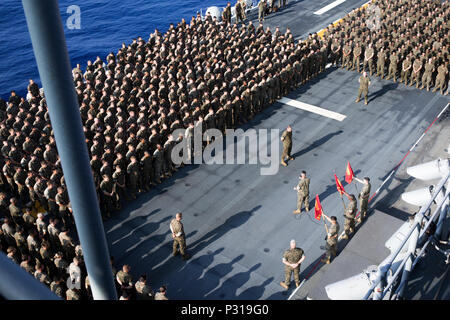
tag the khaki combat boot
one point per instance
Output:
(297, 284)
(422, 86)
(283, 163)
(357, 100)
(327, 261)
(365, 102)
(297, 211)
(284, 285)
(345, 236)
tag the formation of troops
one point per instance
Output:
(209, 73)
(406, 42)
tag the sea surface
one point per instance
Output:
(105, 25)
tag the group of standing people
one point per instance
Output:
(293, 257)
(395, 40)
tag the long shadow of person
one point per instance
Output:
(211, 279)
(137, 233)
(384, 89)
(255, 292)
(194, 268)
(229, 287)
(316, 143)
(116, 230)
(231, 223)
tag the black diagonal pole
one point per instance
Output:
(49, 46)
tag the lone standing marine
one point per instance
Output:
(286, 138)
(302, 193)
(364, 82)
(292, 260)
(179, 237)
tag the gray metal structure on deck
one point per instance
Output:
(381, 286)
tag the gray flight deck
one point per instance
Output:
(238, 223)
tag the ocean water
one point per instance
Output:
(105, 25)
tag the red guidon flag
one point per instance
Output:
(339, 185)
(318, 208)
(349, 173)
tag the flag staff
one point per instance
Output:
(340, 189)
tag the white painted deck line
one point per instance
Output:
(329, 7)
(313, 109)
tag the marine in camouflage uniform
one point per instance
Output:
(350, 213)
(286, 138)
(158, 159)
(406, 69)
(133, 177)
(393, 62)
(440, 78)
(120, 184)
(261, 9)
(381, 61)
(108, 195)
(427, 75)
(415, 74)
(364, 197)
(331, 239)
(146, 170)
(226, 15)
(335, 52)
(368, 58)
(292, 260)
(346, 53)
(364, 82)
(239, 12)
(124, 278)
(302, 193)
(62, 200)
(356, 57)
(57, 287)
(179, 238)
